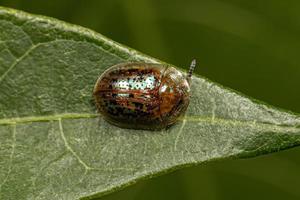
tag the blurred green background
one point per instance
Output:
(249, 45)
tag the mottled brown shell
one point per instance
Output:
(142, 95)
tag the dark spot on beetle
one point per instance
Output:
(138, 105)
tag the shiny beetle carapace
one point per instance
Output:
(143, 95)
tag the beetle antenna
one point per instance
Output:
(191, 70)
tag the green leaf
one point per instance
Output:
(53, 145)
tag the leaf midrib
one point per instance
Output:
(199, 119)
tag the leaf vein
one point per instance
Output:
(18, 60)
(13, 146)
(69, 148)
(179, 134)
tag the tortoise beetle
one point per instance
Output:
(143, 95)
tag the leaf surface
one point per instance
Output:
(53, 145)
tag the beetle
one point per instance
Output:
(143, 95)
